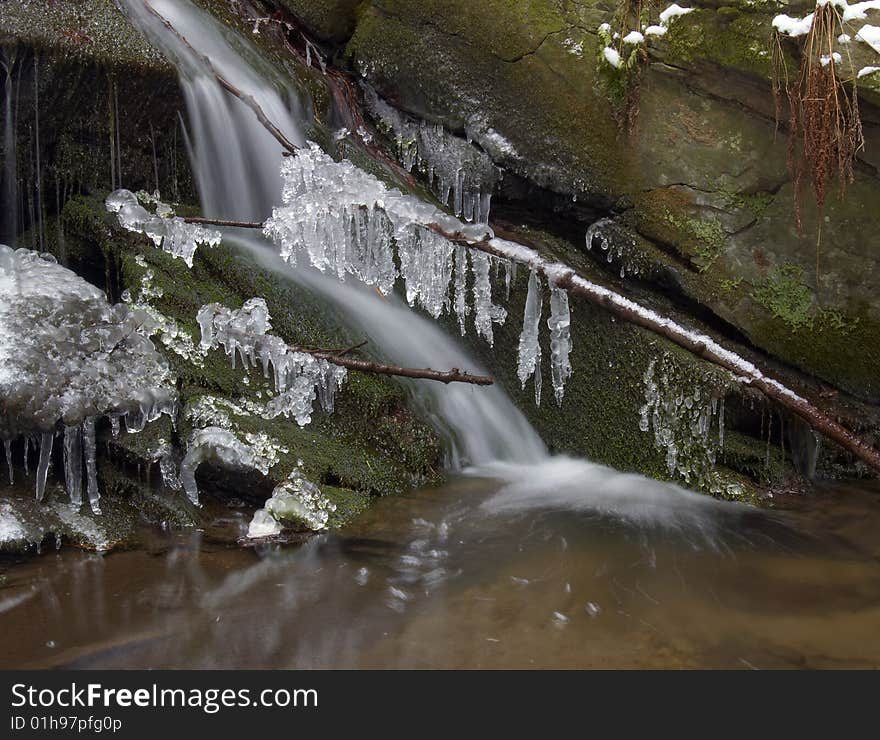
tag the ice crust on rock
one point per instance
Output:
(462, 176)
(167, 231)
(295, 502)
(218, 445)
(68, 357)
(299, 378)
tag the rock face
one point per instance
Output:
(701, 183)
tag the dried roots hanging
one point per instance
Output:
(825, 130)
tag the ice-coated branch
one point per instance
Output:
(248, 100)
(698, 344)
(243, 333)
(223, 222)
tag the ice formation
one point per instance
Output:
(319, 194)
(299, 378)
(295, 502)
(681, 417)
(559, 324)
(462, 176)
(156, 324)
(171, 233)
(68, 357)
(345, 221)
(486, 313)
(216, 444)
(529, 343)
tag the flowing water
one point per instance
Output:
(464, 576)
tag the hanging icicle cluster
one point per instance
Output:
(461, 175)
(342, 220)
(299, 378)
(167, 231)
(67, 357)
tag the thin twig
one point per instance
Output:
(224, 222)
(248, 100)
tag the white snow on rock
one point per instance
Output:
(633, 37)
(611, 56)
(673, 11)
(67, 356)
(857, 11)
(793, 26)
(870, 35)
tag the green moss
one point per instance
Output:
(788, 298)
(756, 203)
(702, 238)
(90, 31)
(735, 38)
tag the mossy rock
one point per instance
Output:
(702, 181)
(329, 20)
(372, 445)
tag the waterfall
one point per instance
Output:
(236, 164)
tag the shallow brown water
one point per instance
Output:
(434, 580)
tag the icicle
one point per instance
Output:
(529, 344)
(37, 149)
(73, 457)
(43, 466)
(89, 450)
(559, 324)
(594, 232)
(461, 307)
(484, 312)
(7, 444)
(721, 424)
(118, 137)
(114, 426)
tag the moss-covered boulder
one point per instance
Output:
(701, 182)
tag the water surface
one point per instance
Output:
(461, 577)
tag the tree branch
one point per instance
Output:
(248, 100)
(703, 347)
(443, 376)
(224, 222)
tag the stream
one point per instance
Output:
(473, 575)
